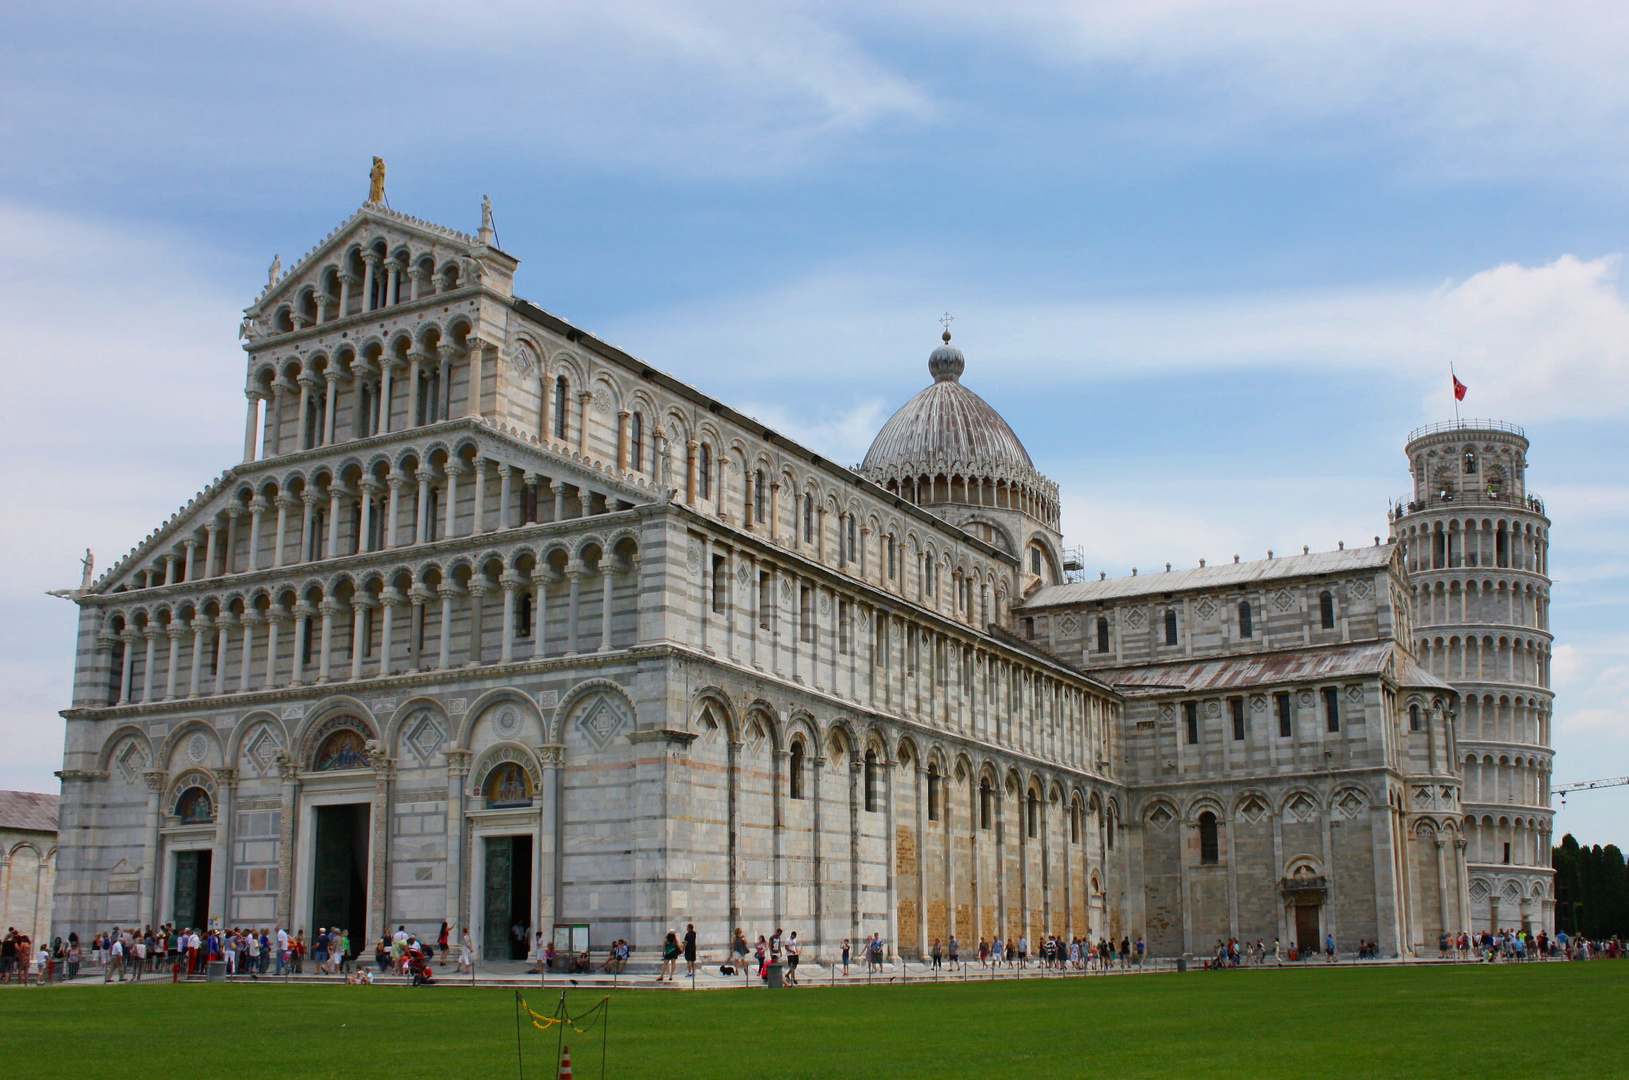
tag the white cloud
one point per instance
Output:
(120, 360)
(1540, 343)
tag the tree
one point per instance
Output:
(1591, 888)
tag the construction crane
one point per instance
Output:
(1588, 785)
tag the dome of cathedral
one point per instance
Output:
(946, 427)
(947, 446)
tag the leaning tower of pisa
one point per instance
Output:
(1477, 544)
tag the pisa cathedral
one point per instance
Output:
(498, 624)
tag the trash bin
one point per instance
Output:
(775, 976)
(1182, 963)
(216, 971)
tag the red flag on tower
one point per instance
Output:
(1459, 388)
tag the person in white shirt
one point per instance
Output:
(115, 961)
(282, 949)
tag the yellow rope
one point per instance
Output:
(544, 1023)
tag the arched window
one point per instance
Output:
(195, 807)
(636, 441)
(1170, 626)
(1209, 851)
(1035, 561)
(1414, 718)
(523, 614)
(873, 780)
(1247, 622)
(794, 775)
(1470, 461)
(759, 496)
(808, 518)
(893, 556)
(562, 390)
(1102, 634)
(1326, 610)
(986, 804)
(935, 791)
(1074, 823)
(704, 472)
(853, 540)
(507, 786)
(1033, 822)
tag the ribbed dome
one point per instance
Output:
(946, 426)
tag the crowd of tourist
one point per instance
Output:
(126, 953)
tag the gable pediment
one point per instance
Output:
(409, 257)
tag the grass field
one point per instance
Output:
(1557, 1021)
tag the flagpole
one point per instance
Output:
(1453, 388)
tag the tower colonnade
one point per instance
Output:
(1476, 543)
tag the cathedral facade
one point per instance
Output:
(497, 624)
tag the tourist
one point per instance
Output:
(938, 956)
(998, 952)
(876, 952)
(74, 956)
(955, 953)
(115, 963)
(670, 956)
(738, 948)
(760, 954)
(466, 954)
(690, 949)
(792, 959)
(442, 940)
(319, 950)
(381, 954)
(8, 955)
(845, 956)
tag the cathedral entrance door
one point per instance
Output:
(508, 897)
(1306, 927)
(339, 894)
(192, 889)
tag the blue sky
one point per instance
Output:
(1211, 260)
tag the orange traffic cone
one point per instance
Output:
(565, 1063)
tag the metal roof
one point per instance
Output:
(28, 811)
(1214, 577)
(1241, 672)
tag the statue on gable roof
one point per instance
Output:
(275, 272)
(376, 181)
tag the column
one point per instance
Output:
(335, 496)
(189, 561)
(451, 509)
(250, 422)
(211, 532)
(414, 360)
(332, 379)
(691, 449)
(477, 523)
(308, 523)
(148, 904)
(127, 665)
(284, 505)
(608, 583)
(417, 596)
(540, 606)
(421, 519)
(477, 589)
(510, 586)
(623, 416)
(288, 790)
(457, 894)
(559, 489)
(250, 619)
(329, 608)
(387, 367)
(275, 618)
(583, 398)
(574, 575)
(364, 531)
(394, 288)
(444, 393)
(173, 632)
(257, 509)
(384, 771)
(229, 556)
(223, 644)
(505, 496)
(307, 384)
(359, 620)
(302, 629)
(473, 353)
(391, 599)
(274, 421)
(370, 267)
(200, 628)
(447, 592)
(395, 482)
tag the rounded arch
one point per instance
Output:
(481, 706)
(180, 742)
(572, 702)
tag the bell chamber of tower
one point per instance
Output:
(1476, 545)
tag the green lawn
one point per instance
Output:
(1555, 1021)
